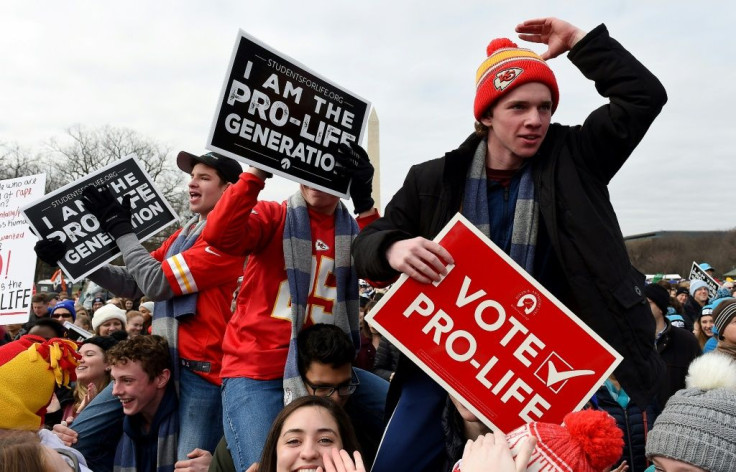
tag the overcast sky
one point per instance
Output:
(157, 68)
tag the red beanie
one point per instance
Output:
(507, 67)
(588, 441)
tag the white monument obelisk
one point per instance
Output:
(374, 154)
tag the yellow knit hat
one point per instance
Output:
(30, 368)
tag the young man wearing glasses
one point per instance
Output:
(64, 311)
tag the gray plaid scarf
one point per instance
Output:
(298, 258)
(526, 214)
(166, 313)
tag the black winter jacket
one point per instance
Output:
(678, 348)
(571, 173)
(635, 423)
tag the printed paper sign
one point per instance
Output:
(493, 337)
(276, 114)
(61, 214)
(17, 259)
(697, 273)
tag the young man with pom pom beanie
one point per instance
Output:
(539, 191)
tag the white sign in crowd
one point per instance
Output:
(17, 259)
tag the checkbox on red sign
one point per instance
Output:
(554, 372)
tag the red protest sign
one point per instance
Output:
(493, 337)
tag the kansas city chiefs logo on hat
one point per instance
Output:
(503, 78)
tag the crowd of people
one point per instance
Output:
(191, 370)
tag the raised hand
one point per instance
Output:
(560, 36)
(491, 453)
(352, 161)
(113, 216)
(340, 461)
(51, 251)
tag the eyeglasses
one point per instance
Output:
(62, 315)
(343, 390)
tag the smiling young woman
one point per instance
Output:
(306, 432)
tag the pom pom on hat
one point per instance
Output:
(507, 67)
(697, 427)
(499, 43)
(588, 441)
(597, 435)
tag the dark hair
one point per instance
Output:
(344, 426)
(59, 329)
(324, 343)
(369, 306)
(39, 298)
(481, 130)
(152, 352)
(21, 451)
(107, 342)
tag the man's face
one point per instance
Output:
(729, 332)
(318, 200)
(205, 189)
(326, 376)
(518, 124)
(701, 295)
(40, 309)
(61, 315)
(135, 390)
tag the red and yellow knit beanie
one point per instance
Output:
(30, 368)
(588, 441)
(507, 67)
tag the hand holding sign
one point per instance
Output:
(421, 259)
(113, 216)
(353, 162)
(492, 452)
(50, 250)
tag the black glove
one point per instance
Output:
(352, 161)
(113, 216)
(50, 250)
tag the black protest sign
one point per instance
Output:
(61, 214)
(276, 114)
(697, 273)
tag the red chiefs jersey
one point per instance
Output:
(257, 338)
(214, 275)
